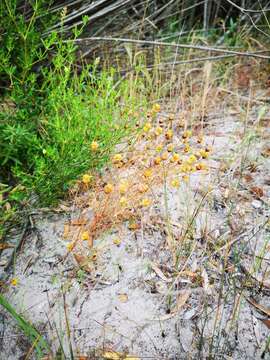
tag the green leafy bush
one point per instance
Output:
(50, 113)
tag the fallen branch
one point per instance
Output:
(160, 43)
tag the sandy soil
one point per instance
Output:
(135, 300)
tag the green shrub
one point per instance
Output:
(50, 112)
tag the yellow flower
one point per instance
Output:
(187, 148)
(175, 183)
(170, 147)
(199, 139)
(185, 168)
(158, 130)
(86, 179)
(123, 201)
(123, 187)
(165, 156)
(147, 173)
(117, 241)
(14, 281)
(70, 246)
(159, 147)
(147, 127)
(201, 166)
(169, 134)
(156, 108)
(85, 236)
(175, 157)
(108, 188)
(94, 145)
(186, 134)
(145, 202)
(157, 160)
(191, 160)
(117, 158)
(185, 178)
(171, 117)
(204, 154)
(142, 188)
(94, 256)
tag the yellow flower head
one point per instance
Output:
(14, 281)
(175, 183)
(191, 160)
(169, 134)
(86, 179)
(108, 188)
(170, 147)
(117, 241)
(85, 236)
(156, 108)
(147, 127)
(204, 154)
(158, 130)
(175, 157)
(187, 148)
(157, 160)
(186, 134)
(185, 168)
(159, 147)
(70, 246)
(117, 158)
(145, 202)
(123, 187)
(185, 178)
(94, 256)
(94, 146)
(201, 166)
(123, 201)
(147, 173)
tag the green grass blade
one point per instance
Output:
(36, 339)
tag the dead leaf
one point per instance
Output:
(248, 178)
(66, 231)
(79, 222)
(123, 298)
(90, 241)
(83, 262)
(181, 301)
(257, 191)
(260, 308)
(160, 273)
(113, 355)
(206, 285)
(266, 322)
(266, 152)
(5, 246)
